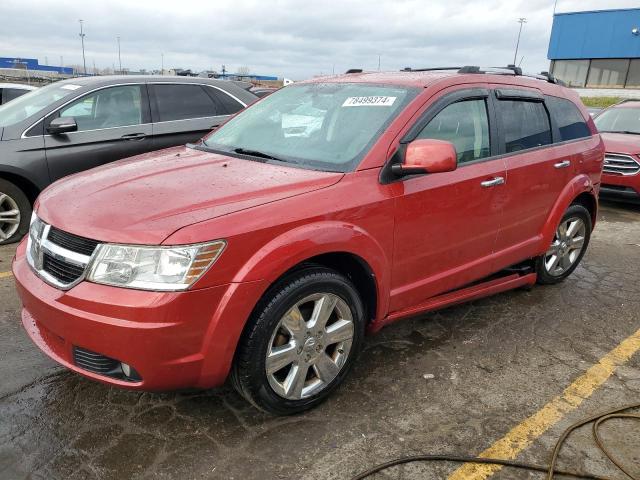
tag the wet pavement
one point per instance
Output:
(494, 362)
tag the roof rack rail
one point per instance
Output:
(354, 70)
(430, 69)
(508, 70)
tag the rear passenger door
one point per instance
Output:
(184, 112)
(537, 171)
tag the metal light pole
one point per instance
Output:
(119, 59)
(84, 62)
(521, 21)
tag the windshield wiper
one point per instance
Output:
(627, 132)
(255, 153)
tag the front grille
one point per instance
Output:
(62, 271)
(96, 363)
(72, 242)
(620, 164)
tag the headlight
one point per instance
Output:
(153, 268)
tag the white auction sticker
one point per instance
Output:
(70, 87)
(371, 101)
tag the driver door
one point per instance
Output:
(113, 123)
(446, 224)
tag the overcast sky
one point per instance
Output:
(291, 38)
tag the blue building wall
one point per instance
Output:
(595, 34)
(32, 64)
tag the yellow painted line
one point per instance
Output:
(524, 434)
(5, 274)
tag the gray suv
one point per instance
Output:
(77, 124)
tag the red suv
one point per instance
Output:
(332, 207)
(620, 129)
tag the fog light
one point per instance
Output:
(130, 372)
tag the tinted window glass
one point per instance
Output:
(226, 104)
(107, 108)
(11, 93)
(569, 119)
(180, 102)
(525, 124)
(466, 125)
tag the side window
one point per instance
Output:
(569, 119)
(180, 102)
(466, 125)
(228, 105)
(107, 108)
(11, 93)
(525, 124)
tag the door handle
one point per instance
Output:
(563, 164)
(493, 182)
(134, 136)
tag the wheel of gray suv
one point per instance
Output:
(300, 342)
(567, 248)
(15, 213)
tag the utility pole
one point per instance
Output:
(224, 71)
(378, 62)
(162, 63)
(84, 62)
(521, 21)
(119, 59)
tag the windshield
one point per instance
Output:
(323, 126)
(23, 107)
(622, 119)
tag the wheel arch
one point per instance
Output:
(345, 248)
(579, 191)
(23, 183)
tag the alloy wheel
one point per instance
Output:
(567, 245)
(9, 216)
(309, 346)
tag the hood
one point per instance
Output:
(144, 199)
(621, 143)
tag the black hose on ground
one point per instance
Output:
(549, 469)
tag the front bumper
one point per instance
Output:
(621, 187)
(172, 339)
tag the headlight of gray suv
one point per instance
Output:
(153, 268)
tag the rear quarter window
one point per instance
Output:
(525, 124)
(568, 118)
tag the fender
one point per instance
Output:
(295, 246)
(270, 263)
(580, 184)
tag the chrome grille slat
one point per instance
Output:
(618, 164)
(60, 258)
(72, 242)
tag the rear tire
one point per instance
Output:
(300, 342)
(569, 245)
(15, 213)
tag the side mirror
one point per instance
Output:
(427, 156)
(62, 125)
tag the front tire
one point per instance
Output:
(15, 213)
(300, 343)
(567, 248)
